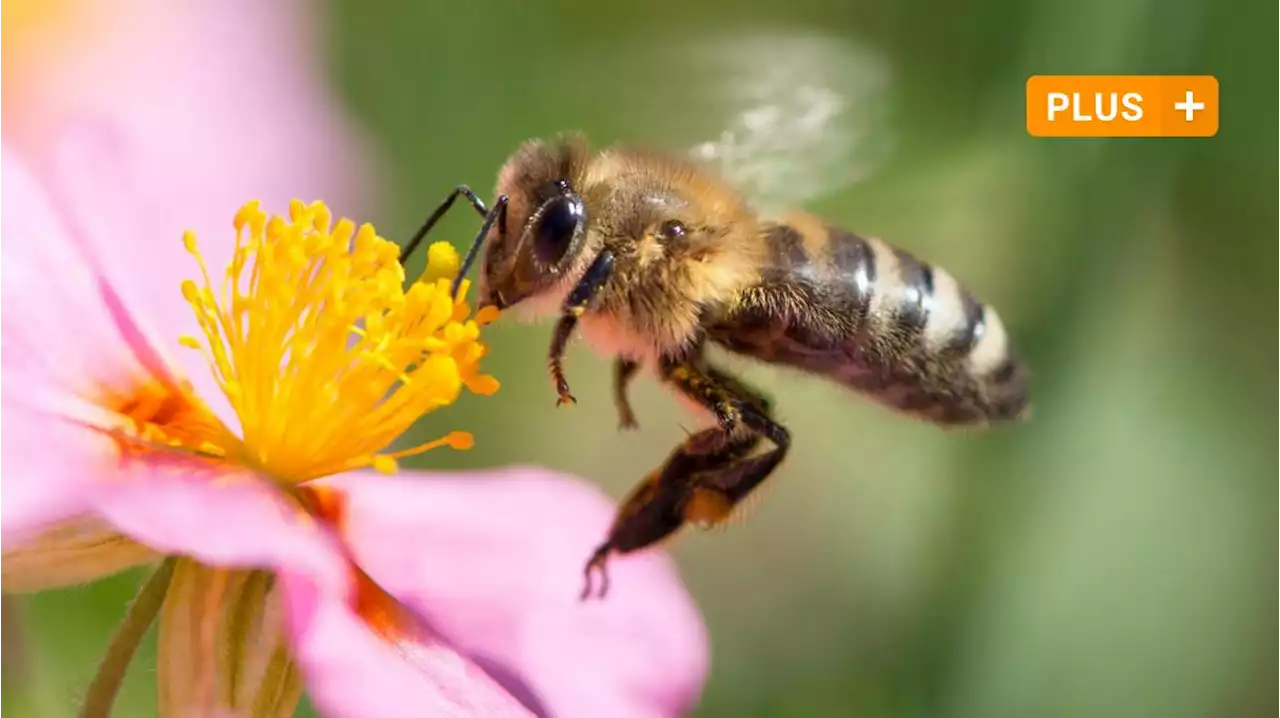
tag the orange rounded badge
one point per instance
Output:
(1122, 106)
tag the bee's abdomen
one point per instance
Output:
(883, 322)
(929, 346)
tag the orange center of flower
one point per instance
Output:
(384, 615)
(157, 415)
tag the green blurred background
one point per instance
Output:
(1111, 558)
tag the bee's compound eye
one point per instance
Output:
(672, 229)
(557, 225)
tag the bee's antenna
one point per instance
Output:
(498, 213)
(461, 189)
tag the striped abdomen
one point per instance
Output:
(879, 320)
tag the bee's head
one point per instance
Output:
(541, 242)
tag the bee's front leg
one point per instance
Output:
(555, 358)
(575, 305)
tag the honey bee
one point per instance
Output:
(655, 258)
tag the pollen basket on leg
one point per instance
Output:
(323, 353)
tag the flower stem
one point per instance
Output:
(128, 636)
(15, 662)
(14, 665)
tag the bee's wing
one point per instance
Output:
(803, 115)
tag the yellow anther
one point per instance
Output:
(443, 262)
(248, 214)
(482, 384)
(487, 315)
(460, 440)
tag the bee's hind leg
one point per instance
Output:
(739, 409)
(741, 389)
(661, 504)
(706, 476)
(717, 493)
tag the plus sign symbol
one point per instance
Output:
(1189, 106)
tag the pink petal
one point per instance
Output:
(43, 469)
(495, 563)
(350, 671)
(55, 343)
(234, 519)
(219, 515)
(64, 340)
(60, 331)
(101, 192)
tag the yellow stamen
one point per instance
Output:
(323, 353)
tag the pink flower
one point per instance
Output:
(280, 550)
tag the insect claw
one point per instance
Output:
(596, 565)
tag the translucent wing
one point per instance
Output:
(804, 115)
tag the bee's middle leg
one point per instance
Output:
(624, 370)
